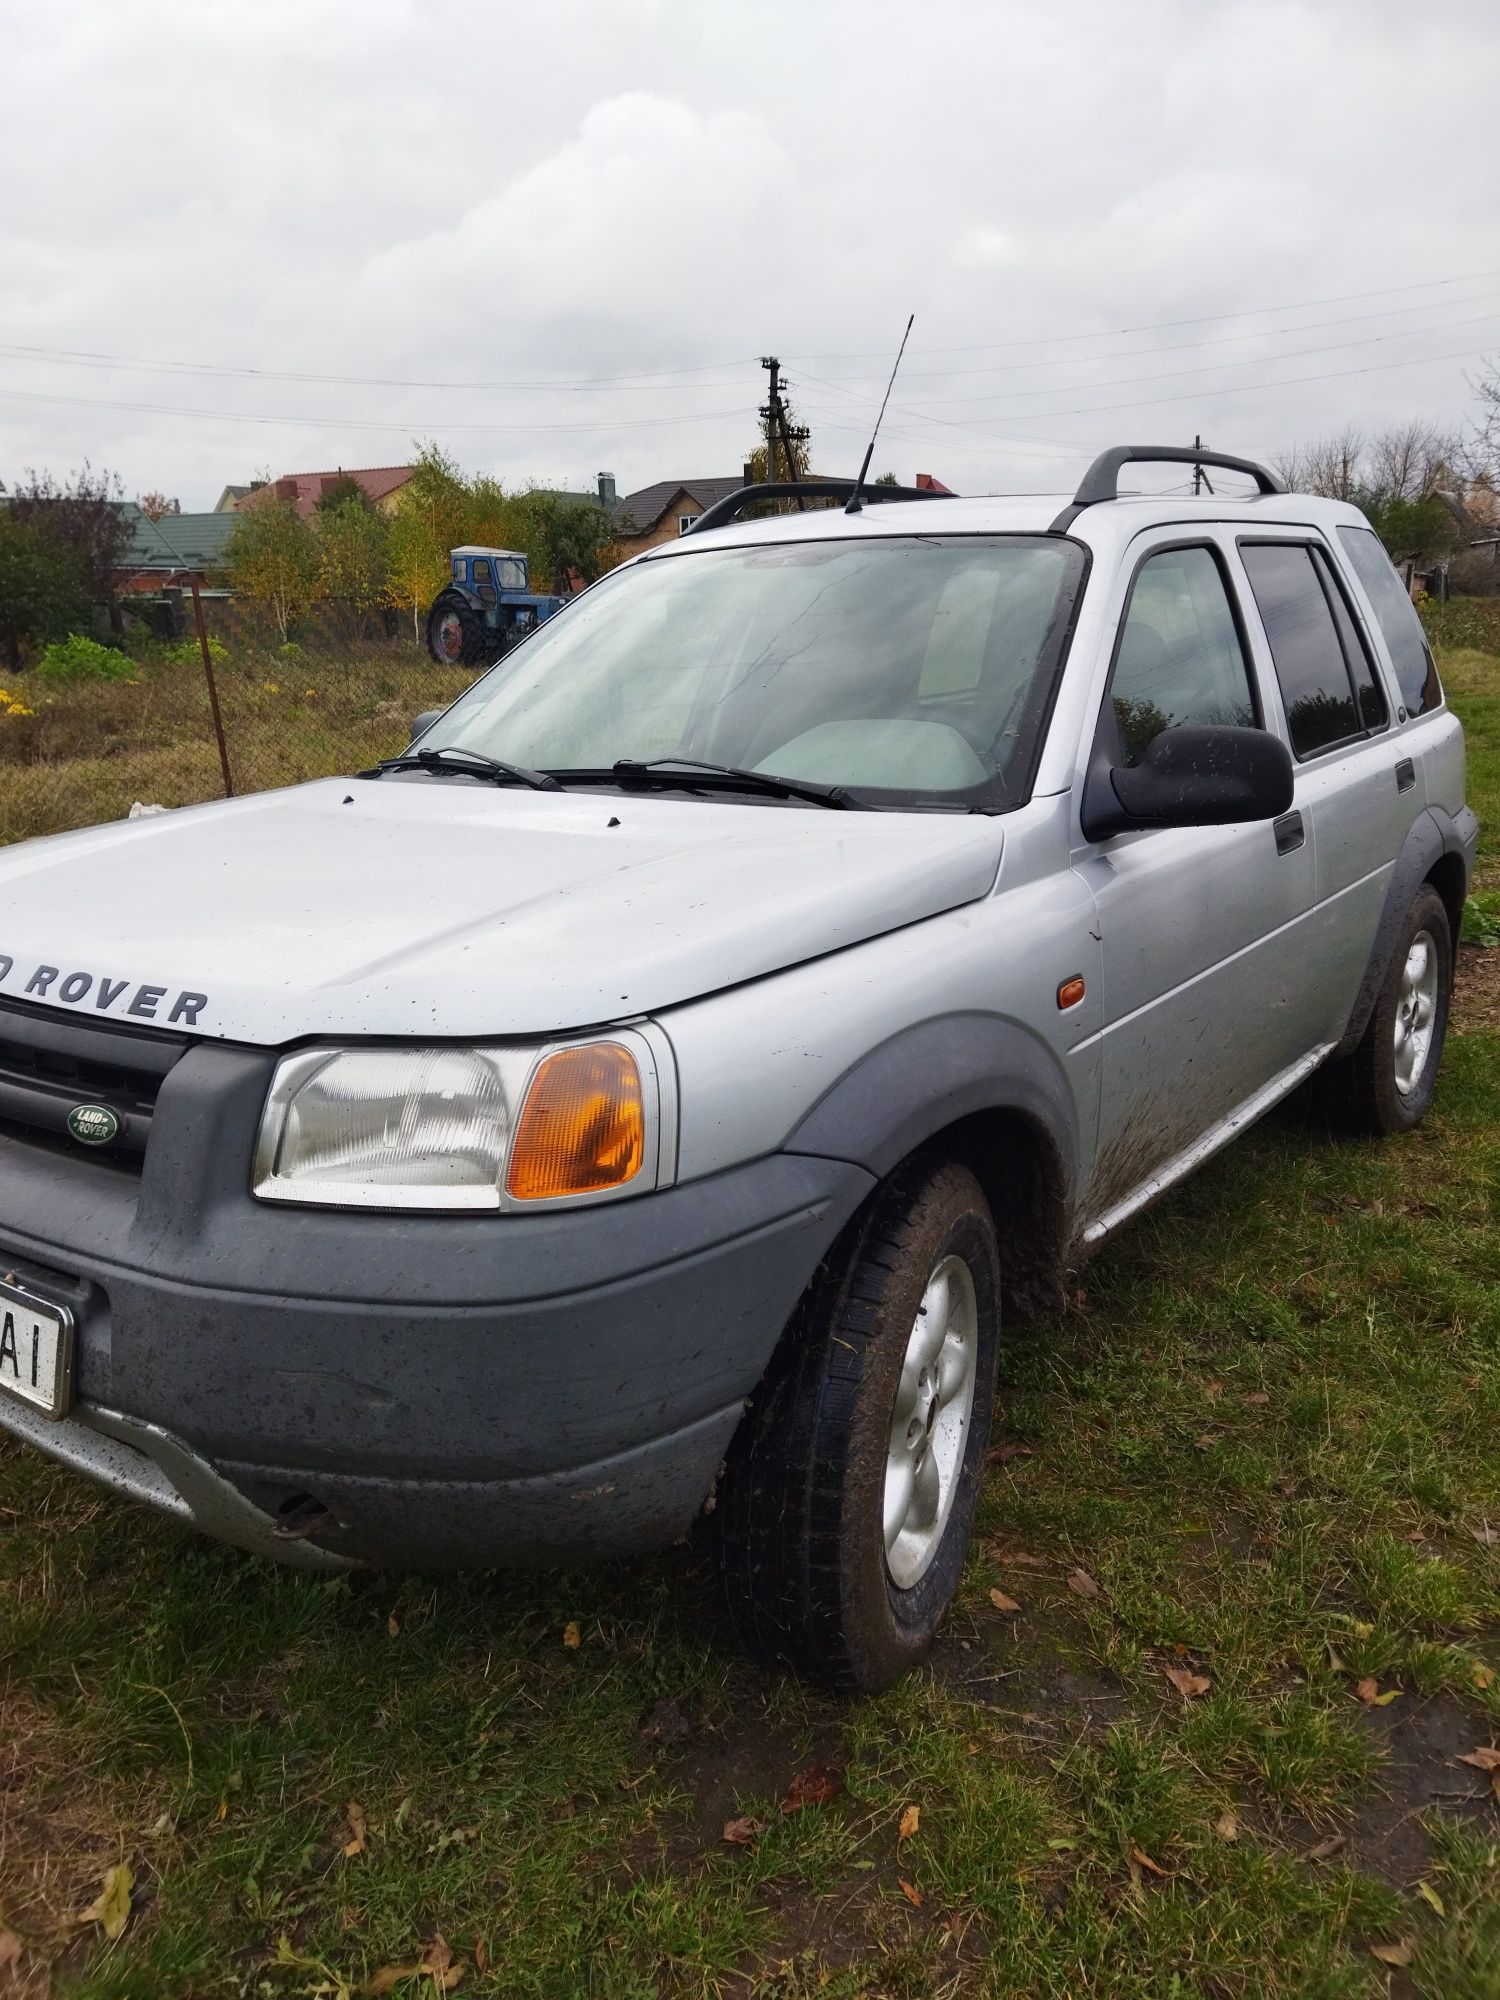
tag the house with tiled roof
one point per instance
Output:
(380, 485)
(662, 512)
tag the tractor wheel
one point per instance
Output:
(455, 634)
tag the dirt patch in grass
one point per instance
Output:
(1476, 997)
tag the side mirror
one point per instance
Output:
(1191, 776)
(424, 722)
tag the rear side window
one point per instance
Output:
(1368, 694)
(1416, 676)
(1305, 645)
(1180, 657)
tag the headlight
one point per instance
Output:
(468, 1128)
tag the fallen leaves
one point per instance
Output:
(911, 1819)
(1227, 1825)
(1016, 1559)
(1143, 1860)
(1487, 1759)
(1482, 1676)
(355, 1844)
(1394, 1954)
(1188, 1684)
(572, 1635)
(437, 1963)
(1257, 1399)
(1082, 1584)
(111, 1907)
(1368, 1691)
(10, 1951)
(1485, 1535)
(816, 1786)
(912, 1894)
(1003, 1603)
(742, 1832)
(1432, 1899)
(1002, 1454)
(1208, 1440)
(1326, 1849)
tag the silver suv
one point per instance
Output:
(652, 1095)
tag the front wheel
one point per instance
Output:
(848, 1498)
(1386, 1084)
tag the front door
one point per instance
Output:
(1204, 995)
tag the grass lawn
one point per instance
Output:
(1245, 1514)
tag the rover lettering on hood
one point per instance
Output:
(102, 993)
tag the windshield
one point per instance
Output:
(918, 667)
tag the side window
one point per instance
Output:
(1180, 658)
(1304, 640)
(1373, 712)
(481, 570)
(1416, 676)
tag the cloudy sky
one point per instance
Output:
(558, 237)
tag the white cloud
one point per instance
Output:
(456, 192)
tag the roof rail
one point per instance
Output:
(1102, 480)
(735, 505)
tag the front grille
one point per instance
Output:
(51, 1064)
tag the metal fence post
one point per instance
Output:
(213, 691)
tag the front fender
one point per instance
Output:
(928, 1077)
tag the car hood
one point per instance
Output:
(447, 908)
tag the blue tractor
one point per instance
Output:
(485, 608)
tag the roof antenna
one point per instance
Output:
(855, 504)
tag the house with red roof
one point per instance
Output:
(380, 485)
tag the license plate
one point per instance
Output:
(36, 1350)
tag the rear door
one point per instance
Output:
(1204, 1000)
(1356, 786)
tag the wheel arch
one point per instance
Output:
(1433, 851)
(984, 1092)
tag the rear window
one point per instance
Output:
(1416, 676)
(1305, 646)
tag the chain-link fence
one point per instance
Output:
(74, 753)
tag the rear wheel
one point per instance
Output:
(455, 633)
(1386, 1084)
(848, 1499)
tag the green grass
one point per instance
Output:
(1268, 1427)
(74, 755)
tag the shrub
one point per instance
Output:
(188, 653)
(1464, 621)
(77, 658)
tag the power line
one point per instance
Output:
(411, 426)
(1165, 325)
(1211, 367)
(646, 377)
(1175, 347)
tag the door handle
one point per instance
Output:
(1406, 775)
(1289, 831)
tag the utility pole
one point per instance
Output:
(773, 415)
(770, 410)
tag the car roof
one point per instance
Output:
(1107, 525)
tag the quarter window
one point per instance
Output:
(1416, 676)
(1180, 657)
(1296, 599)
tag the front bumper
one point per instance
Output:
(476, 1389)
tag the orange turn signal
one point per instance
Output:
(1070, 992)
(582, 1127)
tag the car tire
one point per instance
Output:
(910, 1310)
(1385, 1085)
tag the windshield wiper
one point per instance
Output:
(458, 762)
(660, 771)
